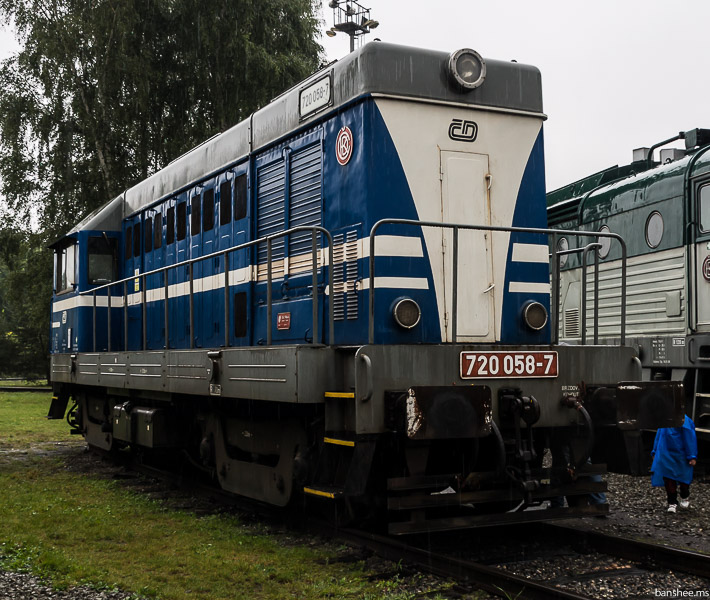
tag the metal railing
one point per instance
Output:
(555, 292)
(593, 247)
(268, 240)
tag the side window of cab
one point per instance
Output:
(103, 260)
(704, 208)
(65, 268)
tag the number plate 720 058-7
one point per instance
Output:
(497, 365)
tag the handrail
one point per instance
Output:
(315, 230)
(456, 227)
(592, 247)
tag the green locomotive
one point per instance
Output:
(661, 209)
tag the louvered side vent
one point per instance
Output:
(338, 276)
(572, 323)
(345, 275)
(351, 274)
(270, 214)
(304, 207)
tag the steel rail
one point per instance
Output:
(490, 579)
(677, 559)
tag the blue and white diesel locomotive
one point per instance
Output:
(346, 297)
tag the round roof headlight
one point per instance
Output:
(466, 68)
(535, 315)
(407, 313)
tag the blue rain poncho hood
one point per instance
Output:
(672, 449)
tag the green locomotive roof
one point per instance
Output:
(622, 188)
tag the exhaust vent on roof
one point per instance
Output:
(671, 154)
(640, 154)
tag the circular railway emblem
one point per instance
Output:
(344, 145)
(706, 268)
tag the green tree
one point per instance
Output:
(102, 93)
(25, 288)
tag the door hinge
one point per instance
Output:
(446, 320)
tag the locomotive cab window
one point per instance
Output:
(208, 211)
(225, 203)
(128, 246)
(65, 269)
(654, 229)
(181, 221)
(195, 215)
(170, 228)
(704, 207)
(148, 232)
(103, 267)
(605, 242)
(158, 231)
(137, 239)
(240, 197)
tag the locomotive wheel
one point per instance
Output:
(255, 458)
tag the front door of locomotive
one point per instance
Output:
(465, 200)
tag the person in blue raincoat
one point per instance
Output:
(675, 451)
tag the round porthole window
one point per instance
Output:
(562, 245)
(654, 229)
(605, 242)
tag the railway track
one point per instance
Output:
(26, 388)
(496, 571)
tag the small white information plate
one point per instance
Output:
(314, 97)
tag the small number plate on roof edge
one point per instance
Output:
(499, 365)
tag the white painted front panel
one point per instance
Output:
(464, 200)
(506, 138)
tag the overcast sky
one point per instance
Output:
(616, 74)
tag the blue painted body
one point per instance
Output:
(370, 187)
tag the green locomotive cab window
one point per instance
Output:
(103, 263)
(704, 207)
(654, 229)
(562, 245)
(605, 242)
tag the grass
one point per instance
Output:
(76, 528)
(23, 421)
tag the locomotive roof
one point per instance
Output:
(376, 68)
(622, 188)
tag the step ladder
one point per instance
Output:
(345, 460)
